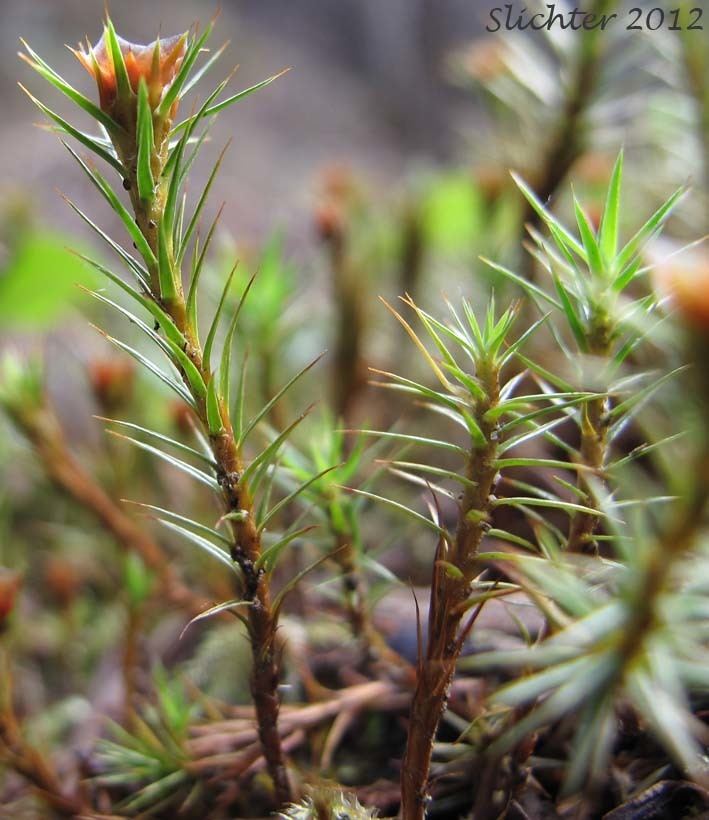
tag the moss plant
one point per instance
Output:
(140, 89)
(477, 397)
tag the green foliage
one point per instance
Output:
(38, 281)
(21, 382)
(452, 213)
(150, 757)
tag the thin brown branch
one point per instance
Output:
(27, 760)
(43, 430)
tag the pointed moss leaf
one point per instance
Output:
(266, 456)
(197, 272)
(211, 336)
(410, 439)
(181, 520)
(153, 368)
(608, 236)
(75, 96)
(451, 570)
(565, 700)
(161, 317)
(476, 434)
(552, 378)
(237, 417)
(551, 221)
(140, 272)
(293, 583)
(226, 606)
(163, 344)
(192, 471)
(534, 290)
(532, 434)
(120, 71)
(419, 481)
(120, 209)
(189, 369)
(651, 227)
(504, 535)
(269, 557)
(531, 687)
(409, 386)
(166, 274)
(214, 415)
(590, 243)
(572, 316)
(225, 363)
(266, 409)
(177, 84)
(202, 71)
(402, 508)
(428, 468)
(519, 343)
(556, 504)
(92, 143)
(155, 792)
(177, 230)
(163, 439)
(432, 363)
(194, 219)
(215, 109)
(146, 182)
(174, 168)
(593, 741)
(174, 351)
(284, 502)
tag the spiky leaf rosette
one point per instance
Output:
(598, 286)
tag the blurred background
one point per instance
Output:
(369, 88)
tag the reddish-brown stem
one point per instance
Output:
(348, 366)
(246, 545)
(447, 608)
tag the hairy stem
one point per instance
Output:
(449, 594)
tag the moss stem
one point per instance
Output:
(449, 593)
